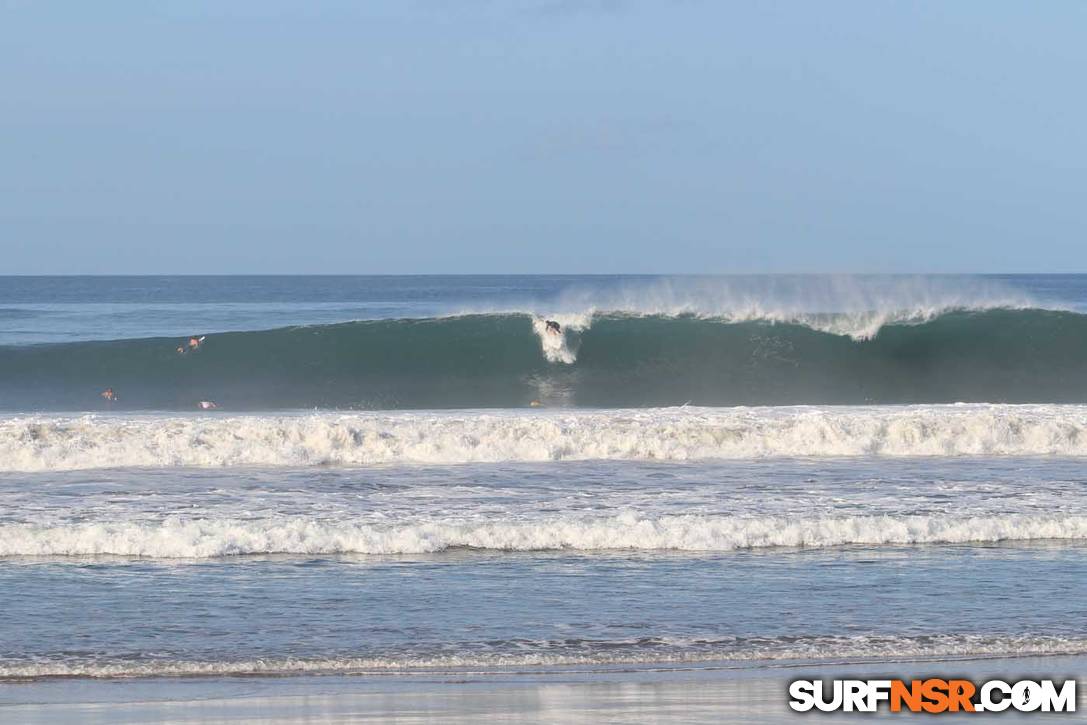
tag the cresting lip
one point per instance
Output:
(499, 360)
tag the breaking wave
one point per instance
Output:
(185, 538)
(600, 360)
(36, 443)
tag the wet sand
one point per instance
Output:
(679, 694)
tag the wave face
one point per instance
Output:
(677, 434)
(609, 360)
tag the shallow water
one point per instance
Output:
(145, 538)
(145, 571)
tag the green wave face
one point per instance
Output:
(479, 361)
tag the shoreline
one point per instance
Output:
(693, 693)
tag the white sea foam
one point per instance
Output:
(852, 305)
(29, 443)
(856, 306)
(557, 346)
(650, 651)
(195, 538)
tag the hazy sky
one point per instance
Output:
(550, 136)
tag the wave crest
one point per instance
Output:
(182, 538)
(506, 361)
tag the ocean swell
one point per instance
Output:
(598, 360)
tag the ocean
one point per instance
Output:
(413, 475)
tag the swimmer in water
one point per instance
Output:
(553, 327)
(195, 342)
(109, 395)
(207, 405)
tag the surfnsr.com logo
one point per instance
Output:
(932, 695)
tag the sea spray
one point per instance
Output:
(606, 361)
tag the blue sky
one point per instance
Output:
(542, 136)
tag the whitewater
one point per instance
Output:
(555, 658)
(48, 443)
(179, 538)
(414, 474)
(620, 343)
